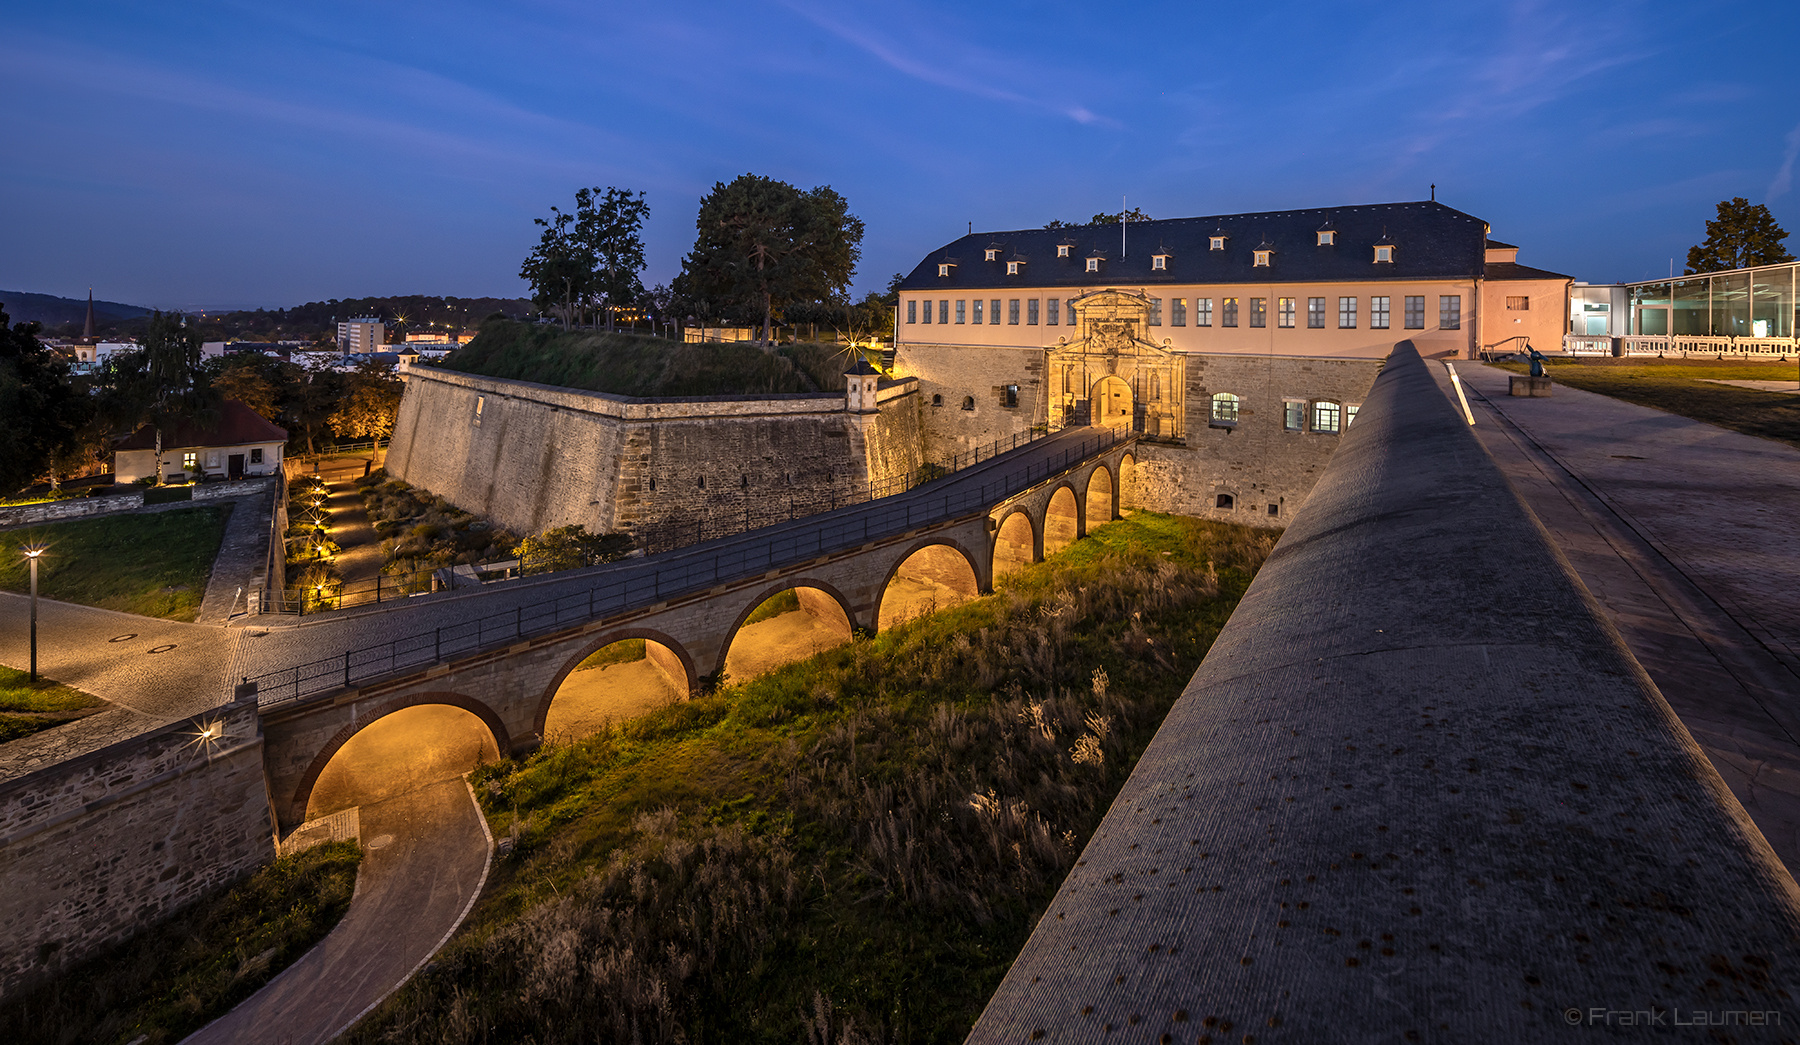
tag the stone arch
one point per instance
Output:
(1062, 519)
(1128, 480)
(1009, 549)
(814, 606)
(1111, 401)
(950, 554)
(1101, 504)
(683, 661)
(496, 731)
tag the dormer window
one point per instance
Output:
(1159, 262)
(1384, 253)
(1327, 237)
(944, 269)
(1263, 258)
(992, 253)
(1013, 268)
(1093, 264)
(1062, 250)
(1218, 242)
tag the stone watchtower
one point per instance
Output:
(860, 393)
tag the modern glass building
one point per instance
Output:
(1753, 309)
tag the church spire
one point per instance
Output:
(87, 332)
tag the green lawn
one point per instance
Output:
(849, 849)
(1680, 387)
(154, 565)
(173, 979)
(26, 708)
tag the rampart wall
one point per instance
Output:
(532, 457)
(95, 849)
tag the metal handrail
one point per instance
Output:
(665, 582)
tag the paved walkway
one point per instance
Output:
(361, 558)
(242, 561)
(425, 862)
(1688, 536)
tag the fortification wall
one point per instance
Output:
(95, 849)
(951, 376)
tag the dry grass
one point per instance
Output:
(1681, 386)
(850, 849)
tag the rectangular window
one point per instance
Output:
(927, 311)
(1285, 317)
(1450, 312)
(1156, 312)
(1293, 415)
(1415, 312)
(1518, 304)
(1012, 311)
(994, 313)
(1259, 312)
(1378, 313)
(1050, 307)
(1178, 312)
(1228, 312)
(1326, 417)
(1346, 313)
(256, 455)
(944, 311)
(1350, 413)
(1010, 396)
(190, 462)
(480, 401)
(1203, 312)
(1069, 320)
(961, 314)
(1031, 312)
(977, 318)
(912, 310)
(1315, 313)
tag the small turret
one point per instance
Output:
(859, 393)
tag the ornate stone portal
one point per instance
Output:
(1111, 374)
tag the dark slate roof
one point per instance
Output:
(1494, 244)
(1431, 241)
(237, 424)
(1514, 270)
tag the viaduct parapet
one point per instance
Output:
(1418, 790)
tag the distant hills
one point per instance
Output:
(52, 311)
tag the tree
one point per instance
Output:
(590, 256)
(558, 268)
(172, 367)
(40, 413)
(1134, 214)
(248, 386)
(371, 398)
(763, 244)
(1744, 235)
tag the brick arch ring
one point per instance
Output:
(921, 545)
(496, 729)
(827, 587)
(605, 639)
(1034, 525)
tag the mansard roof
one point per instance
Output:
(1431, 241)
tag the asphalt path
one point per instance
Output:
(425, 860)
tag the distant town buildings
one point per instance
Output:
(366, 334)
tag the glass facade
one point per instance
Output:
(1752, 303)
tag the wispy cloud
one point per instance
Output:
(1784, 177)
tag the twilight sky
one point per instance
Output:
(217, 154)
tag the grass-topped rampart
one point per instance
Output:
(640, 366)
(849, 849)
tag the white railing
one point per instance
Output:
(1587, 345)
(1683, 346)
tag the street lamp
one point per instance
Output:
(32, 552)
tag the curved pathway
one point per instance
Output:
(425, 860)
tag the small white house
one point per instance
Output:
(240, 444)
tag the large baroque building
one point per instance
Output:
(1240, 345)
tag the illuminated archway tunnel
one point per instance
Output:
(1099, 499)
(1062, 521)
(785, 626)
(399, 753)
(621, 680)
(1015, 544)
(1128, 478)
(935, 577)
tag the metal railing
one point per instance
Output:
(662, 581)
(1683, 345)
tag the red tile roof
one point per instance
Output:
(237, 424)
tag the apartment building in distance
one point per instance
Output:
(361, 336)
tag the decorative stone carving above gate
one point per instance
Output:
(1111, 348)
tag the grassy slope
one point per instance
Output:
(1679, 387)
(861, 840)
(153, 565)
(173, 979)
(635, 365)
(26, 708)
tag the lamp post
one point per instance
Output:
(31, 556)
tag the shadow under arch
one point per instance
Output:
(808, 590)
(684, 663)
(1101, 505)
(937, 573)
(495, 733)
(1062, 518)
(1012, 550)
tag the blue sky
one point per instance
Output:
(215, 154)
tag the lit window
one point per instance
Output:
(1327, 238)
(190, 461)
(944, 311)
(1450, 312)
(993, 254)
(1315, 313)
(1224, 409)
(1093, 264)
(1013, 267)
(1178, 312)
(1031, 312)
(1062, 250)
(480, 402)
(1286, 315)
(927, 311)
(1326, 417)
(1518, 304)
(1228, 312)
(1259, 312)
(1293, 414)
(912, 311)
(1346, 313)
(977, 318)
(1050, 308)
(1156, 312)
(1217, 242)
(1415, 312)
(1012, 312)
(1350, 413)
(1159, 262)
(943, 270)
(1384, 253)
(1262, 259)
(1378, 313)
(960, 314)
(1203, 312)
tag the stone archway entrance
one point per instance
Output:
(1112, 402)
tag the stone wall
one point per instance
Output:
(95, 849)
(951, 375)
(126, 498)
(532, 457)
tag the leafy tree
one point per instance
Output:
(250, 387)
(1744, 235)
(371, 398)
(763, 244)
(590, 256)
(559, 269)
(40, 413)
(1134, 214)
(172, 369)
(571, 547)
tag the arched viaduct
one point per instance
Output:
(510, 686)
